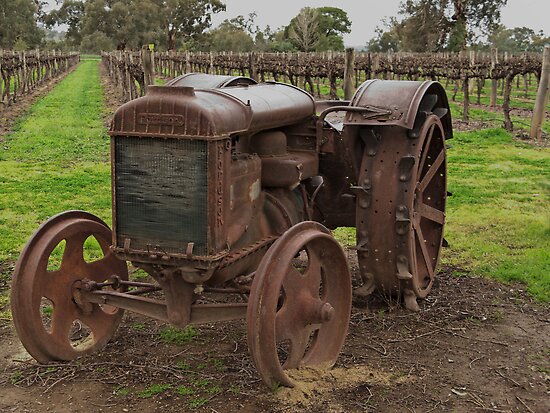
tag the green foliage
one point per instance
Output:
(97, 25)
(183, 366)
(228, 37)
(16, 377)
(218, 365)
(139, 275)
(69, 14)
(153, 390)
(177, 336)
(138, 326)
(96, 42)
(18, 24)
(318, 29)
(517, 39)
(434, 25)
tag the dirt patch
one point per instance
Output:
(11, 114)
(477, 345)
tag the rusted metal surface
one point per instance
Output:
(204, 81)
(215, 191)
(33, 281)
(302, 304)
(184, 112)
(401, 193)
(398, 103)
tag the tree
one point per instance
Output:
(425, 30)
(333, 24)
(18, 24)
(186, 19)
(318, 29)
(471, 16)
(132, 23)
(517, 39)
(228, 37)
(303, 29)
(96, 42)
(433, 25)
(69, 14)
(386, 41)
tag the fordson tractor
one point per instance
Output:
(225, 191)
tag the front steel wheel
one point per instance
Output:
(300, 303)
(60, 254)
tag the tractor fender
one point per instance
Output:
(397, 103)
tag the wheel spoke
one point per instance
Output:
(284, 320)
(313, 272)
(99, 270)
(62, 320)
(46, 285)
(424, 154)
(98, 321)
(432, 171)
(424, 250)
(74, 250)
(431, 213)
(298, 345)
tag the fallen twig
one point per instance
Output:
(474, 360)
(508, 378)
(500, 343)
(416, 337)
(522, 402)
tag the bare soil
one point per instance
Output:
(477, 345)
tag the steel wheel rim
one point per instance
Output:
(33, 281)
(428, 218)
(316, 330)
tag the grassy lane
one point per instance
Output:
(56, 159)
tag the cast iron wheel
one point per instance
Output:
(401, 215)
(64, 330)
(300, 303)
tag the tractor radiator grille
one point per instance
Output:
(161, 194)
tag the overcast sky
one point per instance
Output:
(367, 14)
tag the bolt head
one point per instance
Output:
(327, 312)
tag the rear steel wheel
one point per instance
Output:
(401, 212)
(49, 322)
(300, 303)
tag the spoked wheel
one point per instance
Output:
(300, 303)
(400, 217)
(61, 253)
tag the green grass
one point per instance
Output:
(153, 390)
(56, 159)
(498, 217)
(177, 336)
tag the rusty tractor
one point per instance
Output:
(224, 191)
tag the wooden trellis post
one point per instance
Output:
(542, 96)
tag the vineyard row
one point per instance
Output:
(324, 73)
(23, 72)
